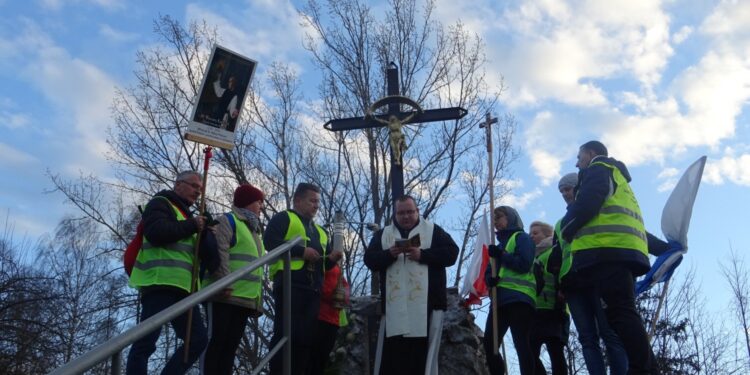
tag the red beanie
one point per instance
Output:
(246, 194)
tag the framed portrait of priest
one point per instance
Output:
(219, 105)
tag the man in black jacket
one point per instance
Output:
(412, 284)
(163, 271)
(308, 262)
(609, 247)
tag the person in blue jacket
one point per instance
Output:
(516, 290)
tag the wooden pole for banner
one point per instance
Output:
(652, 328)
(487, 125)
(196, 262)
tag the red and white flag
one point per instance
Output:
(474, 287)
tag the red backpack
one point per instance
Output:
(131, 252)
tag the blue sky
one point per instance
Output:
(659, 82)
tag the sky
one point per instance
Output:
(661, 83)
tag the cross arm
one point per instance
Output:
(351, 123)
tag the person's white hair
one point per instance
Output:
(184, 175)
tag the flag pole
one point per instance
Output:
(196, 262)
(652, 328)
(487, 125)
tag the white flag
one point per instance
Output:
(474, 286)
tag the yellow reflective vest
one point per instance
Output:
(244, 252)
(521, 282)
(567, 256)
(296, 228)
(546, 299)
(170, 264)
(618, 224)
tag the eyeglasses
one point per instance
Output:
(406, 213)
(192, 184)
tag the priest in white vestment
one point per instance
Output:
(411, 255)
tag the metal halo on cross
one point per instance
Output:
(397, 139)
(394, 99)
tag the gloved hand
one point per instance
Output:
(494, 251)
(491, 281)
(489, 278)
(210, 221)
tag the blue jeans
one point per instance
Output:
(591, 323)
(152, 303)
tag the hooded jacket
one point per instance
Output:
(595, 185)
(521, 260)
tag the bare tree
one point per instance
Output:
(26, 344)
(439, 66)
(736, 275)
(148, 146)
(278, 139)
(90, 301)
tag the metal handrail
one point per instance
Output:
(112, 347)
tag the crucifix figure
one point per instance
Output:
(394, 123)
(394, 119)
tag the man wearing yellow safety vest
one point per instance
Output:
(308, 263)
(608, 244)
(585, 309)
(163, 272)
(238, 236)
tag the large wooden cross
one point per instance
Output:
(394, 118)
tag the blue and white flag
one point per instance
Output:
(675, 221)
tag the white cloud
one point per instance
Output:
(682, 34)
(59, 4)
(549, 141)
(558, 49)
(510, 183)
(115, 35)
(519, 201)
(10, 117)
(669, 175)
(81, 93)
(729, 18)
(698, 107)
(734, 169)
(13, 158)
(268, 31)
(701, 106)
(564, 57)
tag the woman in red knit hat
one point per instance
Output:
(238, 235)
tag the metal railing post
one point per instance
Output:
(113, 347)
(287, 313)
(116, 368)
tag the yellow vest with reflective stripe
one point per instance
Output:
(241, 254)
(520, 282)
(296, 228)
(546, 299)
(617, 225)
(171, 264)
(567, 256)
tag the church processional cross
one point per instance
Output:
(395, 119)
